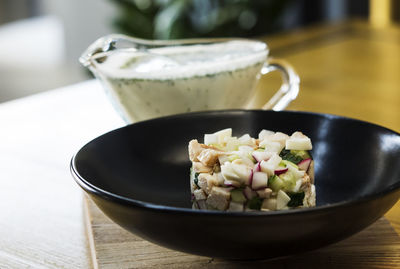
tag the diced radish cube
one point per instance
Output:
(257, 167)
(265, 133)
(260, 180)
(304, 164)
(282, 200)
(270, 165)
(261, 155)
(210, 139)
(251, 177)
(249, 193)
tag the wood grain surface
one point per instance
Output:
(113, 247)
(41, 222)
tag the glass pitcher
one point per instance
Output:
(146, 79)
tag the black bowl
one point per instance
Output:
(138, 175)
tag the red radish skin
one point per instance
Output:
(280, 171)
(304, 164)
(251, 177)
(257, 167)
(261, 156)
(231, 183)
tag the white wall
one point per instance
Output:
(83, 20)
(42, 53)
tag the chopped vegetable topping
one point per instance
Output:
(289, 156)
(237, 173)
(238, 196)
(296, 199)
(196, 179)
(255, 203)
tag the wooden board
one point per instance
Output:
(113, 247)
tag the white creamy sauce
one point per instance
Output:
(181, 79)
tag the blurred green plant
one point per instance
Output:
(173, 19)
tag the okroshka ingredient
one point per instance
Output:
(242, 173)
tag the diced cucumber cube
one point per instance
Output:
(296, 199)
(289, 181)
(275, 183)
(255, 203)
(304, 154)
(238, 196)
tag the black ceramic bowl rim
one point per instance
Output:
(88, 187)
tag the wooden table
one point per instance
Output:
(346, 69)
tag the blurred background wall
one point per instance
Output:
(41, 40)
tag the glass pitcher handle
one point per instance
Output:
(290, 84)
